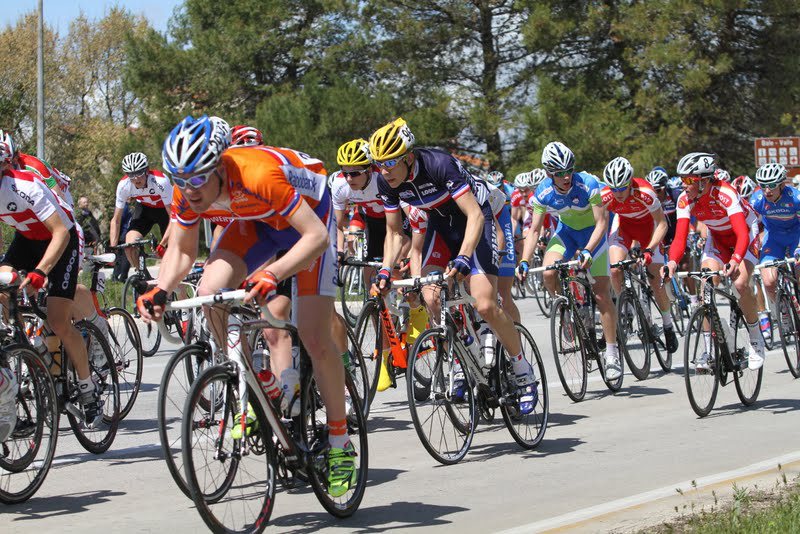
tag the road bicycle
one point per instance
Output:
(787, 302)
(723, 343)
(576, 347)
(353, 295)
(444, 406)
(635, 327)
(229, 476)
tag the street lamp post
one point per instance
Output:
(40, 85)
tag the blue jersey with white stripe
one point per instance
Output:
(437, 180)
(782, 216)
(507, 189)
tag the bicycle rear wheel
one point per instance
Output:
(233, 491)
(526, 429)
(315, 435)
(633, 332)
(99, 438)
(569, 349)
(27, 454)
(701, 384)
(126, 348)
(353, 293)
(746, 380)
(444, 422)
(788, 328)
(179, 375)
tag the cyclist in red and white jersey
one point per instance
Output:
(45, 244)
(639, 218)
(716, 203)
(153, 193)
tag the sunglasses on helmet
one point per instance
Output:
(195, 182)
(390, 163)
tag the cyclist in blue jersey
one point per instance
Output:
(778, 205)
(461, 230)
(497, 179)
(583, 224)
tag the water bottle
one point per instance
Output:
(270, 386)
(487, 344)
(259, 359)
(290, 380)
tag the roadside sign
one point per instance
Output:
(783, 150)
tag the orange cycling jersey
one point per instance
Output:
(265, 184)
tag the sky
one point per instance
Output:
(59, 13)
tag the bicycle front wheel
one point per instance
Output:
(788, 328)
(233, 490)
(354, 293)
(701, 350)
(27, 453)
(442, 410)
(526, 429)
(746, 380)
(370, 339)
(569, 349)
(633, 332)
(126, 348)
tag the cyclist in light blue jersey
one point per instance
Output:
(778, 205)
(583, 223)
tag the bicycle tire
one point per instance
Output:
(214, 504)
(632, 326)
(659, 345)
(369, 337)
(790, 344)
(694, 339)
(36, 431)
(358, 370)
(428, 359)
(148, 333)
(179, 375)
(126, 346)
(514, 420)
(746, 381)
(572, 358)
(315, 435)
(350, 310)
(106, 379)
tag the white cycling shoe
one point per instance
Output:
(755, 355)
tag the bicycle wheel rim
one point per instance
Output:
(789, 333)
(126, 347)
(569, 350)
(747, 381)
(701, 385)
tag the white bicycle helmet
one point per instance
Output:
(134, 163)
(618, 173)
(658, 178)
(537, 176)
(495, 178)
(698, 163)
(722, 175)
(746, 187)
(557, 157)
(771, 174)
(521, 180)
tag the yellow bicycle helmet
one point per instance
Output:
(391, 141)
(355, 152)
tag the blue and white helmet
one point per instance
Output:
(557, 157)
(495, 178)
(194, 146)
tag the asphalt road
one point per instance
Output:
(604, 450)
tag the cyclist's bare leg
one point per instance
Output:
(83, 304)
(223, 269)
(315, 316)
(550, 278)
(483, 287)
(742, 283)
(659, 289)
(608, 313)
(617, 254)
(279, 341)
(504, 285)
(770, 279)
(431, 295)
(132, 253)
(59, 319)
(339, 331)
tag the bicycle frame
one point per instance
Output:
(718, 332)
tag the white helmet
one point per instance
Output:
(658, 178)
(722, 175)
(557, 157)
(746, 187)
(521, 180)
(134, 163)
(698, 163)
(771, 174)
(495, 178)
(618, 173)
(537, 176)
(194, 146)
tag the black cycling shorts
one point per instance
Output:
(144, 218)
(25, 254)
(376, 234)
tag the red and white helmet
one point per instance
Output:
(246, 136)
(8, 149)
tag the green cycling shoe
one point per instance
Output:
(342, 472)
(250, 423)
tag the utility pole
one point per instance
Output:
(40, 85)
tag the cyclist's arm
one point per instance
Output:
(742, 232)
(415, 255)
(660, 229)
(394, 238)
(533, 235)
(472, 234)
(165, 238)
(314, 240)
(113, 236)
(600, 226)
(341, 226)
(58, 243)
(179, 257)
